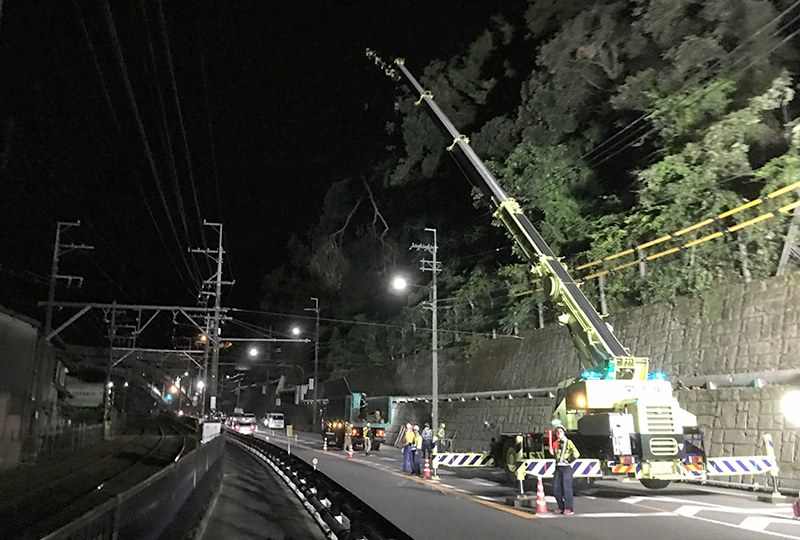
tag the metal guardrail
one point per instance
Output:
(144, 511)
(339, 513)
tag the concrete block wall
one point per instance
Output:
(736, 419)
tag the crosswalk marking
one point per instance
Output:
(755, 523)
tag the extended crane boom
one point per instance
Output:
(625, 422)
(596, 344)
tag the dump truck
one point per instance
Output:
(623, 418)
(354, 410)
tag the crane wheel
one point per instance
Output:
(654, 483)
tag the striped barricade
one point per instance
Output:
(581, 468)
(462, 460)
(741, 465)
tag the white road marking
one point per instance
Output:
(625, 514)
(632, 500)
(755, 523)
(486, 498)
(482, 482)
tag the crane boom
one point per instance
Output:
(597, 346)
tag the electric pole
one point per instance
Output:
(58, 250)
(433, 266)
(315, 415)
(217, 282)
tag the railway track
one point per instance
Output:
(49, 498)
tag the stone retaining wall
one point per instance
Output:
(734, 328)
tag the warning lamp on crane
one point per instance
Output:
(580, 401)
(656, 377)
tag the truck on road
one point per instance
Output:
(353, 411)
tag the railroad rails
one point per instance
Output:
(37, 501)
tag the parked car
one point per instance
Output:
(274, 420)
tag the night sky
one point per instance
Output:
(277, 102)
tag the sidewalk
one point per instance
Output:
(253, 502)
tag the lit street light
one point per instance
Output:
(790, 407)
(253, 352)
(399, 283)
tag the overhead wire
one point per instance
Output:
(174, 84)
(143, 134)
(112, 112)
(166, 138)
(696, 79)
(691, 98)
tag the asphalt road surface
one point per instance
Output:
(470, 503)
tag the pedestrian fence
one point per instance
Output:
(145, 511)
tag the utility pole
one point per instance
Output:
(58, 250)
(112, 335)
(217, 282)
(433, 266)
(315, 416)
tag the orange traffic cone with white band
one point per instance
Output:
(541, 504)
(325, 445)
(426, 473)
(350, 452)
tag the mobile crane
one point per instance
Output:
(624, 420)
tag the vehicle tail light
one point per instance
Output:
(626, 460)
(355, 432)
(236, 427)
(381, 433)
(695, 459)
(253, 427)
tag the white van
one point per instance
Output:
(274, 420)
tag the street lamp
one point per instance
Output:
(296, 332)
(399, 283)
(253, 352)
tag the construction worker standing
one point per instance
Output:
(440, 444)
(564, 452)
(408, 441)
(367, 433)
(416, 452)
(348, 440)
(427, 441)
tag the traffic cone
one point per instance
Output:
(350, 452)
(541, 504)
(426, 473)
(325, 445)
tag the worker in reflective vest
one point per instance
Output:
(348, 441)
(367, 433)
(438, 442)
(408, 441)
(565, 453)
(416, 452)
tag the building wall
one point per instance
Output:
(18, 342)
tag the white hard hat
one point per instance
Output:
(416, 428)
(408, 426)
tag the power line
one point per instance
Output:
(118, 128)
(143, 134)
